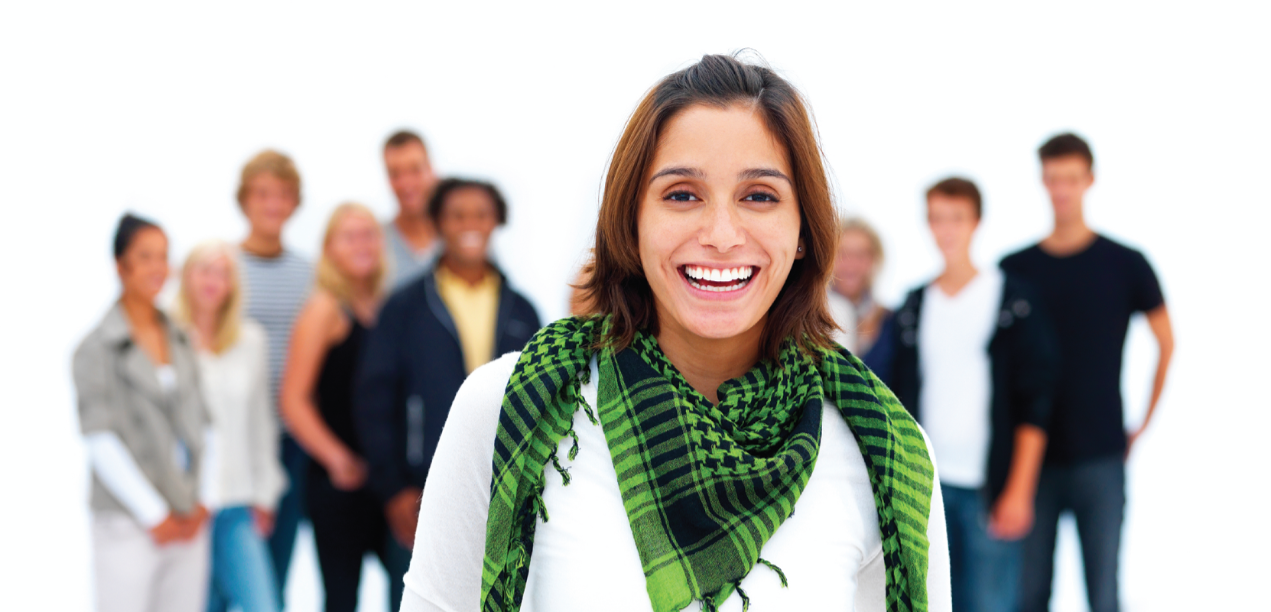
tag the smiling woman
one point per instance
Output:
(718, 394)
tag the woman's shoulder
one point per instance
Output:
(476, 407)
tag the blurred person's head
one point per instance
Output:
(466, 213)
(1067, 172)
(954, 207)
(269, 192)
(352, 261)
(858, 259)
(141, 257)
(210, 286)
(410, 172)
(716, 220)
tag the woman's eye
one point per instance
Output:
(681, 196)
(760, 196)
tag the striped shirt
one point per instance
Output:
(274, 291)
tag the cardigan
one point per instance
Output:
(1024, 365)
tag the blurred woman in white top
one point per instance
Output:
(233, 366)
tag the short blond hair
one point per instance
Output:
(229, 320)
(857, 224)
(328, 276)
(273, 163)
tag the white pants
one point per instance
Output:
(133, 574)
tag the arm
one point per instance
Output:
(445, 575)
(1012, 514)
(1158, 319)
(938, 580)
(317, 327)
(1035, 372)
(269, 480)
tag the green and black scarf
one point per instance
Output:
(704, 486)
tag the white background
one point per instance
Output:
(108, 107)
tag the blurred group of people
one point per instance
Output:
(1015, 375)
(215, 426)
(275, 389)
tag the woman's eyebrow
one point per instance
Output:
(679, 171)
(757, 173)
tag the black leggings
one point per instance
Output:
(346, 526)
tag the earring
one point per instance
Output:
(800, 249)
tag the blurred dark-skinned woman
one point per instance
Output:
(147, 433)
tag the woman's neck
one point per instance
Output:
(707, 363)
(139, 310)
(205, 323)
(262, 245)
(363, 300)
(471, 273)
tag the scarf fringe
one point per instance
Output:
(780, 574)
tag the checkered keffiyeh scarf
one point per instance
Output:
(704, 486)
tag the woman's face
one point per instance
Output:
(208, 283)
(853, 264)
(143, 269)
(356, 247)
(467, 219)
(718, 222)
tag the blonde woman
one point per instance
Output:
(317, 402)
(233, 367)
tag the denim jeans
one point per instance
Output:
(1094, 491)
(983, 571)
(242, 573)
(291, 511)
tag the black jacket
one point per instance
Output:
(1024, 364)
(410, 370)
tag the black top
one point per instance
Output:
(411, 368)
(335, 386)
(1091, 296)
(1023, 365)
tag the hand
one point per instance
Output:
(193, 522)
(1012, 516)
(347, 471)
(402, 512)
(263, 519)
(170, 530)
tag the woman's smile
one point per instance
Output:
(726, 283)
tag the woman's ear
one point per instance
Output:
(799, 252)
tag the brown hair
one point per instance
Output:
(437, 200)
(1066, 144)
(616, 284)
(402, 138)
(269, 162)
(958, 187)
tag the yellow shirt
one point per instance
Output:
(475, 311)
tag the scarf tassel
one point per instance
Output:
(780, 574)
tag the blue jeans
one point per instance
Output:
(1094, 491)
(983, 571)
(291, 510)
(242, 573)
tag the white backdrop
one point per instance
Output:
(108, 107)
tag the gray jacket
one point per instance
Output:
(118, 391)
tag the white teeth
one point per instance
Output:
(719, 275)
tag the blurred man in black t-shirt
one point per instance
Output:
(1092, 286)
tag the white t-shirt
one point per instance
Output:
(953, 360)
(585, 557)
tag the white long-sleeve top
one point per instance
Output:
(585, 557)
(236, 392)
